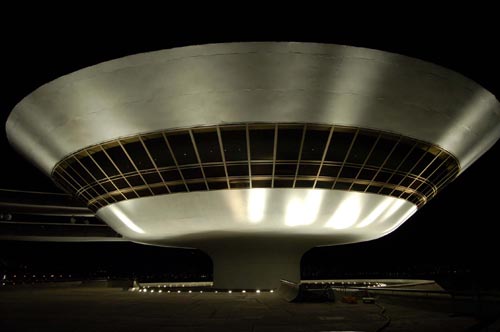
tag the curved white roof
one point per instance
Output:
(254, 82)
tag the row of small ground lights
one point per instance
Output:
(149, 290)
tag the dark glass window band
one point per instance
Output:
(257, 156)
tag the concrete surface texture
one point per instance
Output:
(101, 309)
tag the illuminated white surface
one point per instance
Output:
(375, 214)
(302, 211)
(257, 205)
(325, 216)
(255, 82)
(126, 220)
(347, 214)
(400, 220)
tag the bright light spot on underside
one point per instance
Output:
(126, 220)
(300, 212)
(346, 214)
(395, 207)
(401, 220)
(376, 213)
(257, 205)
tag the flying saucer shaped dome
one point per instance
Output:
(326, 144)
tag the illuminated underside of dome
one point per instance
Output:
(256, 152)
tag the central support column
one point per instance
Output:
(254, 264)
(254, 269)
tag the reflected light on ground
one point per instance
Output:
(346, 214)
(301, 212)
(126, 221)
(256, 205)
(376, 213)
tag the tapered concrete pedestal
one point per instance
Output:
(255, 267)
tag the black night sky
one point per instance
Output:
(457, 228)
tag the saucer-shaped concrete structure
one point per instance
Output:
(256, 152)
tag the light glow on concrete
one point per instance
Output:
(324, 217)
(126, 220)
(346, 214)
(375, 214)
(393, 209)
(257, 205)
(303, 211)
(400, 221)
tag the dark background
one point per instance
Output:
(454, 234)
